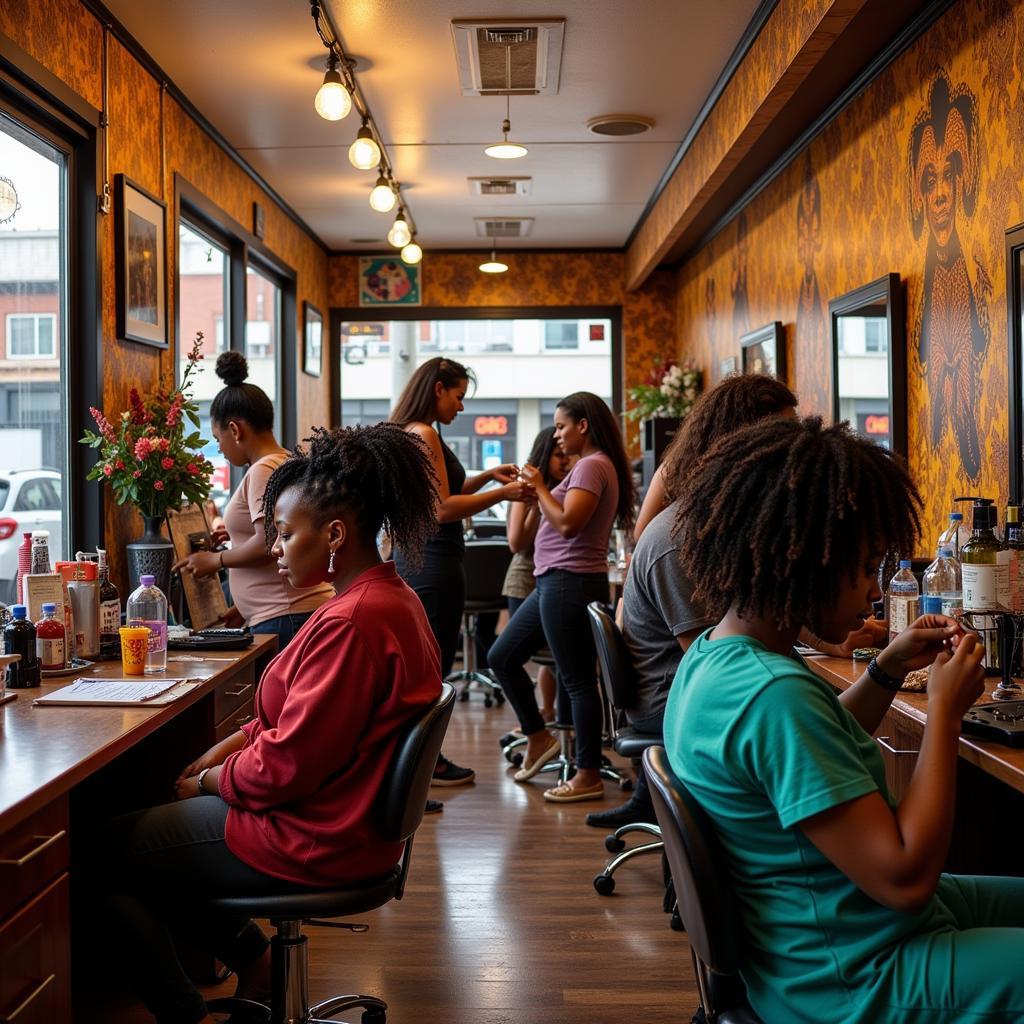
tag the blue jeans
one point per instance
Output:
(285, 626)
(556, 614)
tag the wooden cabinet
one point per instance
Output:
(32, 854)
(233, 702)
(899, 740)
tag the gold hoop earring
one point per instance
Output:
(330, 564)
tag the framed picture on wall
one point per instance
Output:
(140, 256)
(312, 339)
(726, 367)
(387, 281)
(764, 351)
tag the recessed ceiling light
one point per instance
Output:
(620, 124)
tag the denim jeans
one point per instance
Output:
(285, 626)
(556, 614)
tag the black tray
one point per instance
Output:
(1002, 722)
(211, 642)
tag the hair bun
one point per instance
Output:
(232, 368)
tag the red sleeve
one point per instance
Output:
(325, 712)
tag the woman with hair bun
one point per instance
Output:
(242, 420)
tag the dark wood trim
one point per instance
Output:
(134, 47)
(750, 33)
(502, 251)
(1015, 339)
(888, 290)
(338, 315)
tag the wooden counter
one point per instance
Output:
(50, 758)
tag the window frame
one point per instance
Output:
(37, 318)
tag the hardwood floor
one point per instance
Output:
(500, 923)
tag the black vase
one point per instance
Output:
(151, 555)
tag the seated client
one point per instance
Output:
(287, 800)
(846, 914)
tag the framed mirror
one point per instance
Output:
(869, 362)
(764, 351)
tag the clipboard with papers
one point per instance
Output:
(118, 693)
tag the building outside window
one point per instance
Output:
(31, 335)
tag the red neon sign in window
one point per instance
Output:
(876, 424)
(490, 426)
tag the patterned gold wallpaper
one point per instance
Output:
(919, 176)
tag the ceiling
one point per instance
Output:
(253, 66)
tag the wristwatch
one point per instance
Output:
(880, 676)
(199, 781)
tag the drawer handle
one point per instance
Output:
(26, 1003)
(20, 862)
(883, 742)
(238, 692)
(242, 719)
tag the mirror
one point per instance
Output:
(869, 355)
(764, 351)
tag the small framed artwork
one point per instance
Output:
(764, 351)
(259, 220)
(141, 246)
(313, 339)
(726, 367)
(387, 281)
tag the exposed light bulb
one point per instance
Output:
(412, 253)
(333, 101)
(400, 235)
(383, 197)
(364, 153)
(493, 265)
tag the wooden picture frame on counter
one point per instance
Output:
(141, 263)
(190, 532)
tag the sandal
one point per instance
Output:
(529, 770)
(567, 794)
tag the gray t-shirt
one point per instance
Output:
(657, 607)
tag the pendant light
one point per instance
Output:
(506, 150)
(493, 265)
(400, 235)
(364, 153)
(333, 101)
(383, 198)
(412, 253)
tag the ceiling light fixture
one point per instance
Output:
(364, 153)
(382, 197)
(400, 235)
(333, 100)
(412, 253)
(493, 265)
(506, 150)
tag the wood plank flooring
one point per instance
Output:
(500, 923)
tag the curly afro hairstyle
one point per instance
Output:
(380, 474)
(775, 515)
(735, 402)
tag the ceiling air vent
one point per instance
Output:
(513, 55)
(506, 227)
(620, 124)
(500, 186)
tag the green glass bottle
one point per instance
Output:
(979, 561)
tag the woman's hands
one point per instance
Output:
(919, 644)
(873, 633)
(517, 490)
(187, 783)
(957, 678)
(505, 473)
(199, 564)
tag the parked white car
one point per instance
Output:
(30, 499)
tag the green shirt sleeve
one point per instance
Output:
(796, 744)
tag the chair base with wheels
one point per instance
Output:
(604, 883)
(470, 673)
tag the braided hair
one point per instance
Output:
(735, 402)
(776, 515)
(382, 474)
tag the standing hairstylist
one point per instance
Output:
(242, 420)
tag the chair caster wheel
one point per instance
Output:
(464, 696)
(488, 702)
(374, 1017)
(614, 845)
(626, 785)
(604, 884)
(516, 760)
(676, 922)
(499, 697)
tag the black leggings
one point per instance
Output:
(150, 873)
(440, 584)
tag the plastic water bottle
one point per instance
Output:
(903, 596)
(942, 579)
(147, 606)
(955, 536)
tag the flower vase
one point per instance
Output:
(151, 555)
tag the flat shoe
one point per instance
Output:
(566, 794)
(529, 770)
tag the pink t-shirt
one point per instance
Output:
(258, 591)
(588, 550)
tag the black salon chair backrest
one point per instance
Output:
(403, 796)
(485, 563)
(698, 865)
(617, 675)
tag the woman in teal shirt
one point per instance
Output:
(847, 916)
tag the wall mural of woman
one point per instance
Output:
(950, 327)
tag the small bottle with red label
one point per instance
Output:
(51, 640)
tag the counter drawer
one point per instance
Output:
(35, 960)
(234, 692)
(233, 722)
(32, 854)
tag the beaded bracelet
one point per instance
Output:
(880, 676)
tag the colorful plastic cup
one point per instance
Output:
(134, 647)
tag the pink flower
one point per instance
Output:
(143, 447)
(159, 485)
(137, 474)
(164, 445)
(119, 464)
(139, 414)
(167, 463)
(106, 430)
(192, 469)
(107, 470)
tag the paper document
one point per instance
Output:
(115, 691)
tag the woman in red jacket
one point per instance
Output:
(288, 798)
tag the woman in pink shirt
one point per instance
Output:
(570, 558)
(287, 800)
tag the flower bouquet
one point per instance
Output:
(670, 390)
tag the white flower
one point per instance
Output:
(690, 394)
(666, 390)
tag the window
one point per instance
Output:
(559, 334)
(875, 335)
(262, 330)
(31, 336)
(34, 385)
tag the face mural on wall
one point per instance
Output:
(811, 325)
(950, 328)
